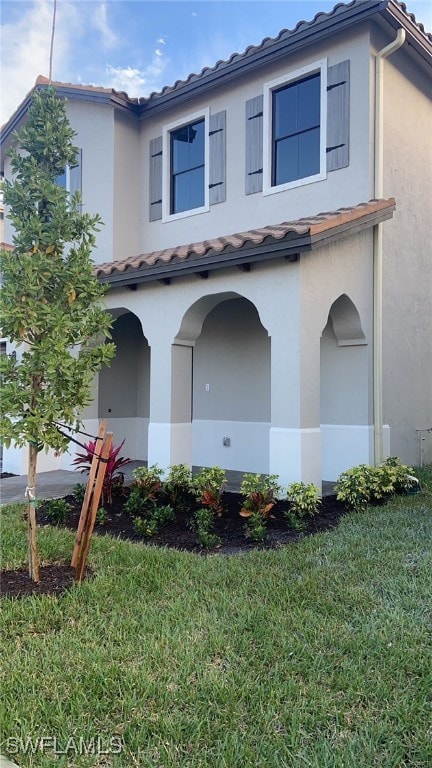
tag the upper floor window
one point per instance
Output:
(296, 123)
(70, 179)
(185, 176)
(187, 167)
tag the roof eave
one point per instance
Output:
(395, 15)
(66, 92)
(289, 248)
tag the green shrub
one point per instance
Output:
(304, 501)
(405, 480)
(79, 492)
(256, 526)
(147, 488)
(208, 486)
(179, 487)
(154, 518)
(203, 524)
(260, 492)
(363, 484)
(354, 486)
(101, 516)
(57, 510)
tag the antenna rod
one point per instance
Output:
(52, 41)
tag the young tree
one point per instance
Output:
(50, 298)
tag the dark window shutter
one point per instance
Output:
(155, 179)
(217, 133)
(254, 145)
(338, 104)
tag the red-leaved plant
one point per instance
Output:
(114, 479)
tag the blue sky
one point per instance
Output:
(135, 45)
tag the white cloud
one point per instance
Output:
(100, 22)
(161, 41)
(26, 46)
(138, 82)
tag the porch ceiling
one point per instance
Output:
(286, 240)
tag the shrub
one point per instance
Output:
(303, 502)
(147, 488)
(354, 487)
(114, 479)
(154, 518)
(178, 486)
(260, 493)
(203, 524)
(79, 492)
(404, 479)
(101, 516)
(363, 484)
(208, 486)
(57, 510)
(256, 527)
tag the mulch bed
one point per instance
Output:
(54, 579)
(178, 534)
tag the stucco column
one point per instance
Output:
(295, 436)
(170, 427)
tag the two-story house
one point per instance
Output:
(267, 249)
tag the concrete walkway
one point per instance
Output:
(50, 485)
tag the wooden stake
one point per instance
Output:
(31, 514)
(88, 492)
(88, 530)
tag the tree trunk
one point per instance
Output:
(31, 513)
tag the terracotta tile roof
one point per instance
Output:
(305, 232)
(42, 80)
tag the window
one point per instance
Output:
(185, 178)
(187, 167)
(296, 130)
(70, 179)
(294, 140)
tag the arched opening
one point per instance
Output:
(230, 386)
(344, 390)
(124, 387)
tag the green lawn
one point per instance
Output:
(316, 655)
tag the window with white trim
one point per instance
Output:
(187, 173)
(187, 166)
(295, 128)
(70, 179)
(283, 123)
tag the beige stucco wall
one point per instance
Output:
(94, 124)
(127, 194)
(232, 365)
(407, 307)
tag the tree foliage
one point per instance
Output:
(50, 299)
